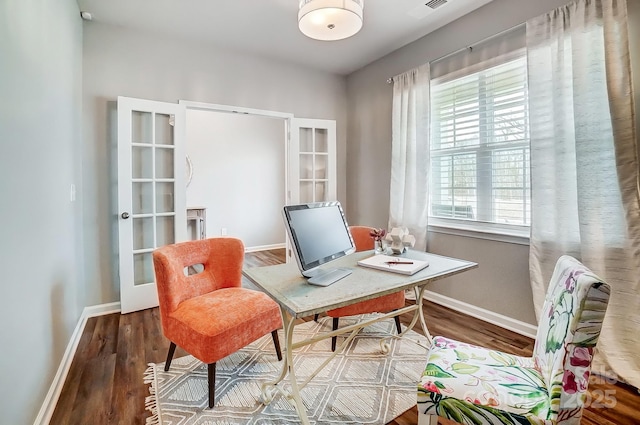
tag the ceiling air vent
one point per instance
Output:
(434, 4)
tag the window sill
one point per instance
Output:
(510, 234)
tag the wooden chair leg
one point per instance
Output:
(172, 349)
(397, 319)
(334, 338)
(211, 374)
(276, 343)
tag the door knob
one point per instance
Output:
(125, 215)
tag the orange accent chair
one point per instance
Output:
(363, 241)
(209, 314)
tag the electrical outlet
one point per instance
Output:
(223, 231)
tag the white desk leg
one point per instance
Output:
(289, 323)
(418, 314)
(419, 293)
(269, 389)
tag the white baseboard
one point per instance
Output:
(264, 247)
(51, 399)
(517, 326)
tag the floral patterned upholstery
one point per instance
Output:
(474, 385)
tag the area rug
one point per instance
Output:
(360, 386)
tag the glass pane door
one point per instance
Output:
(151, 193)
(313, 161)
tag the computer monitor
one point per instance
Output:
(319, 234)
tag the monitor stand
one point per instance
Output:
(325, 277)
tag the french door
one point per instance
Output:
(151, 193)
(312, 163)
(152, 184)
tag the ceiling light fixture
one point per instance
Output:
(330, 20)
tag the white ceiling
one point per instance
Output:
(269, 27)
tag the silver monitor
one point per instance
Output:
(319, 234)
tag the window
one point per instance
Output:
(480, 146)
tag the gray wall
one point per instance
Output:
(238, 174)
(40, 106)
(48, 278)
(120, 62)
(501, 283)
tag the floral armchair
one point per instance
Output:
(474, 385)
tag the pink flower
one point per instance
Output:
(511, 378)
(570, 283)
(443, 343)
(581, 356)
(378, 234)
(571, 385)
(430, 386)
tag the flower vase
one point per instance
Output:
(378, 248)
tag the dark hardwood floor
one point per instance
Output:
(105, 382)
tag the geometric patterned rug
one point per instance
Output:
(360, 386)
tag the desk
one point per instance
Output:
(298, 299)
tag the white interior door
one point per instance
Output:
(151, 193)
(312, 163)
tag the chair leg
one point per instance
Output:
(334, 338)
(172, 349)
(276, 343)
(211, 375)
(397, 319)
(315, 317)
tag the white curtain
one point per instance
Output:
(410, 154)
(584, 165)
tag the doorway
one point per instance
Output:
(238, 175)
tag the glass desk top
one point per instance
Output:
(285, 284)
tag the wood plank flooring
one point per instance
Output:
(105, 381)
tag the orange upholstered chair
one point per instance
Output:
(363, 241)
(209, 314)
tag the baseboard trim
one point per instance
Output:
(264, 247)
(517, 326)
(51, 399)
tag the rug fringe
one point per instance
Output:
(151, 401)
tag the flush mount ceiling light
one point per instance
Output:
(330, 20)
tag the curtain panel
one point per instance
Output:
(584, 165)
(409, 189)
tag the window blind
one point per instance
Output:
(480, 145)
